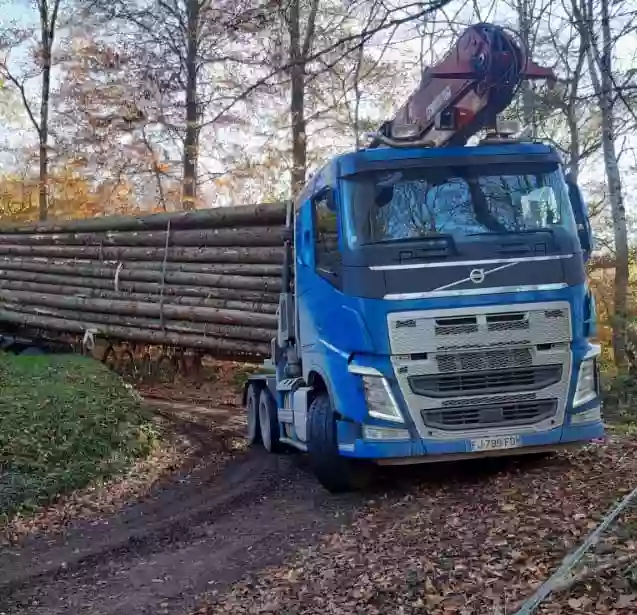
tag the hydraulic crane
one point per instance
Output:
(434, 303)
(465, 92)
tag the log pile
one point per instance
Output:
(205, 279)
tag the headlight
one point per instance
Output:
(586, 389)
(380, 400)
(381, 403)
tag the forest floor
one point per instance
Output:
(206, 525)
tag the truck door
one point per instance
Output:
(327, 254)
(319, 265)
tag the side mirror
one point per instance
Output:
(384, 189)
(328, 195)
(384, 196)
(580, 212)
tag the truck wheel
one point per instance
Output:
(336, 473)
(268, 422)
(252, 408)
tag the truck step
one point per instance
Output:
(289, 384)
(294, 443)
(285, 415)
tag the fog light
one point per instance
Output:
(371, 432)
(588, 416)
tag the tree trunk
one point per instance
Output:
(132, 308)
(600, 68)
(297, 101)
(194, 255)
(574, 146)
(99, 293)
(241, 215)
(109, 274)
(525, 17)
(43, 207)
(47, 33)
(201, 283)
(191, 140)
(615, 193)
(152, 288)
(218, 346)
(75, 266)
(238, 332)
(257, 236)
(300, 47)
(575, 150)
(358, 97)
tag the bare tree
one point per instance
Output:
(301, 39)
(599, 47)
(44, 36)
(182, 45)
(313, 37)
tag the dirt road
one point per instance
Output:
(198, 531)
(454, 540)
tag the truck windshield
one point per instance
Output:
(460, 201)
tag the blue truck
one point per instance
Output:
(435, 304)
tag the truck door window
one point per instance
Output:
(327, 253)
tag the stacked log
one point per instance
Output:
(206, 279)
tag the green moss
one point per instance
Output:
(65, 421)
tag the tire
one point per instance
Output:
(252, 409)
(268, 422)
(336, 473)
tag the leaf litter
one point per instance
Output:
(465, 542)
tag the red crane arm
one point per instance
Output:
(465, 91)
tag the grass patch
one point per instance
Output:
(65, 421)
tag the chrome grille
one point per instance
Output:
(456, 326)
(508, 326)
(491, 367)
(480, 382)
(433, 331)
(485, 360)
(471, 417)
(491, 399)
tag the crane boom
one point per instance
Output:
(463, 93)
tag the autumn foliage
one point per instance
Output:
(71, 196)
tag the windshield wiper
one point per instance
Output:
(428, 238)
(525, 232)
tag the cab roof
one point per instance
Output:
(389, 157)
(393, 158)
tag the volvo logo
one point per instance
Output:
(477, 276)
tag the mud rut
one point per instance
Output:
(200, 531)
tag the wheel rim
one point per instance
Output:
(264, 422)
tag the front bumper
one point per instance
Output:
(422, 450)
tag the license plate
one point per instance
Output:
(494, 444)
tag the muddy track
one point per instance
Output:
(200, 531)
